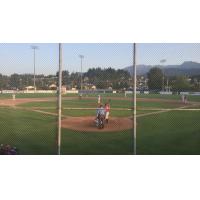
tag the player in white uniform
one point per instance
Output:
(183, 98)
(99, 99)
(13, 96)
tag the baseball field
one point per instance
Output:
(165, 125)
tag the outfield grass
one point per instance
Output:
(173, 97)
(105, 96)
(148, 96)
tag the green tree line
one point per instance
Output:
(156, 80)
(101, 78)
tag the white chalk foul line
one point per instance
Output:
(164, 111)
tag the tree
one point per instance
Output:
(101, 78)
(75, 80)
(155, 78)
(181, 83)
(109, 77)
(65, 77)
(4, 82)
(15, 81)
(1, 81)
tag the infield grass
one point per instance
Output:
(35, 133)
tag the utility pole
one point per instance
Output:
(168, 85)
(59, 98)
(134, 99)
(163, 83)
(34, 48)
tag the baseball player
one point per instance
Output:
(100, 111)
(13, 96)
(183, 98)
(107, 111)
(100, 116)
(80, 96)
(99, 99)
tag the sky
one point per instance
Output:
(18, 58)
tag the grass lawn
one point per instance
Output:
(174, 97)
(112, 143)
(141, 104)
(105, 96)
(34, 133)
(176, 132)
(76, 103)
(91, 103)
(80, 113)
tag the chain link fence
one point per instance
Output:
(97, 98)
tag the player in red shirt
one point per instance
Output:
(107, 111)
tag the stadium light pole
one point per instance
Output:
(34, 48)
(163, 81)
(134, 99)
(59, 98)
(81, 57)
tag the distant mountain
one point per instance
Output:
(187, 68)
(141, 69)
(190, 64)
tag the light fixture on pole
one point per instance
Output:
(34, 48)
(81, 57)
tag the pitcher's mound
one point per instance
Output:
(87, 124)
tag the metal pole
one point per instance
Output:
(134, 98)
(167, 85)
(163, 82)
(59, 98)
(81, 73)
(163, 78)
(81, 57)
(34, 68)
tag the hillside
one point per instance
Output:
(187, 68)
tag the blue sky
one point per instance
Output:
(18, 58)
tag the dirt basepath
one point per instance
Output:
(11, 102)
